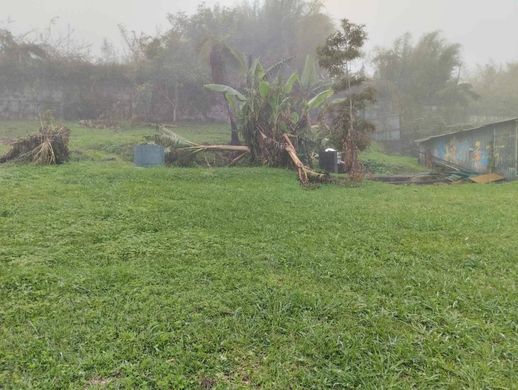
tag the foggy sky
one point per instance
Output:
(488, 30)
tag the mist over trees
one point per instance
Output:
(422, 83)
(497, 87)
(160, 78)
(67, 82)
(216, 44)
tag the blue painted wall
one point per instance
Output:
(489, 149)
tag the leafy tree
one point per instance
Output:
(172, 67)
(57, 77)
(161, 78)
(273, 30)
(498, 90)
(277, 29)
(348, 128)
(108, 53)
(21, 62)
(20, 50)
(167, 75)
(207, 32)
(422, 83)
(268, 29)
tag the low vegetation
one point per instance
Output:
(113, 276)
(375, 161)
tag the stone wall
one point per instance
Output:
(29, 104)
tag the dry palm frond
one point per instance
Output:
(49, 146)
(275, 69)
(169, 139)
(44, 153)
(183, 152)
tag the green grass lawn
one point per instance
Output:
(113, 276)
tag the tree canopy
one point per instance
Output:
(497, 87)
(422, 82)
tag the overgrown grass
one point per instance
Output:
(121, 277)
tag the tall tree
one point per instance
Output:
(422, 83)
(498, 90)
(340, 58)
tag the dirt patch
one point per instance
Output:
(207, 383)
(98, 382)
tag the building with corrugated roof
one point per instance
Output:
(491, 148)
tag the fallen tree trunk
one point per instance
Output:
(179, 145)
(220, 148)
(290, 149)
(306, 174)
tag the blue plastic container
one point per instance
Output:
(149, 155)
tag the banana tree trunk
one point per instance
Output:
(234, 136)
(306, 174)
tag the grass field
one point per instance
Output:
(106, 144)
(113, 276)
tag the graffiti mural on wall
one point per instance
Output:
(480, 157)
(490, 148)
(466, 152)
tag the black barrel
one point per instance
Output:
(328, 161)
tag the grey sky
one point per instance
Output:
(488, 30)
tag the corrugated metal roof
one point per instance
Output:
(466, 130)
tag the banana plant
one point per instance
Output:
(269, 107)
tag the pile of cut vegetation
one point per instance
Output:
(48, 146)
